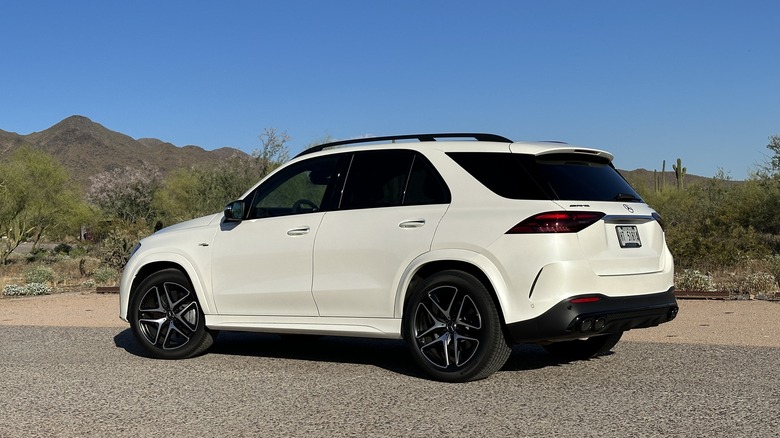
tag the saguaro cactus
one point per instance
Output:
(663, 176)
(679, 173)
(655, 180)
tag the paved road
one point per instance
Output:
(57, 381)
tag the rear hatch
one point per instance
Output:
(628, 239)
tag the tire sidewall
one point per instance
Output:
(199, 341)
(490, 335)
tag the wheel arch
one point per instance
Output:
(173, 261)
(466, 261)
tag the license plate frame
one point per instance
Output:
(628, 236)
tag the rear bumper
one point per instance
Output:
(595, 314)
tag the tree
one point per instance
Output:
(126, 193)
(37, 198)
(273, 150)
(199, 191)
(190, 193)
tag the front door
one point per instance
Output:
(262, 265)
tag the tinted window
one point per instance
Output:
(575, 177)
(300, 188)
(579, 177)
(502, 173)
(425, 186)
(391, 178)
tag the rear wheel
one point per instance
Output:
(453, 328)
(580, 349)
(166, 318)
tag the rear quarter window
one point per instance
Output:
(500, 172)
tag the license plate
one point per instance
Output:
(628, 236)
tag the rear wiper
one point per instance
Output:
(626, 197)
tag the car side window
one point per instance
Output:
(391, 178)
(300, 188)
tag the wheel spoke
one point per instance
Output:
(447, 323)
(168, 316)
(436, 323)
(465, 312)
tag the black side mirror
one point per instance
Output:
(234, 212)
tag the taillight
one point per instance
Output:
(557, 222)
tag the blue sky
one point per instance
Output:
(648, 81)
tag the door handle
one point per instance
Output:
(300, 231)
(412, 223)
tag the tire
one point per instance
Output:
(582, 349)
(166, 318)
(453, 329)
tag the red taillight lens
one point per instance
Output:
(557, 222)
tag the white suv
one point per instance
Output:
(462, 248)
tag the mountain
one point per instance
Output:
(643, 178)
(87, 148)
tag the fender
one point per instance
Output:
(475, 259)
(169, 256)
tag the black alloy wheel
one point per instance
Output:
(166, 318)
(453, 328)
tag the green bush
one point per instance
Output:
(114, 250)
(106, 275)
(39, 274)
(63, 248)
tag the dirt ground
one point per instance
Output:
(715, 322)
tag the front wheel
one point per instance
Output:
(166, 318)
(453, 328)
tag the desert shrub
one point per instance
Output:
(693, 280)
(106, 275)
(15, 290)
(37, 289)
(114, 250)
(743, 284)
(63, 248)
(773, 265)
(88, 266)
(39, 274)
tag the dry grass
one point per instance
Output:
(70, 274)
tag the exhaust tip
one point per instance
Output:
(672, 313)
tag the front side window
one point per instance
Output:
(303, 187)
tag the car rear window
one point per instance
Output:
(575, 177)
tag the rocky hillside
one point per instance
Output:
(86, 148)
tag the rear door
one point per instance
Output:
(389, 209)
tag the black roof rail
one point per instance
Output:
(419, 137)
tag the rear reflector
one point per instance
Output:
(581, 300)
(557, 222)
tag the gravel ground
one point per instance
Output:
(713, 322)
